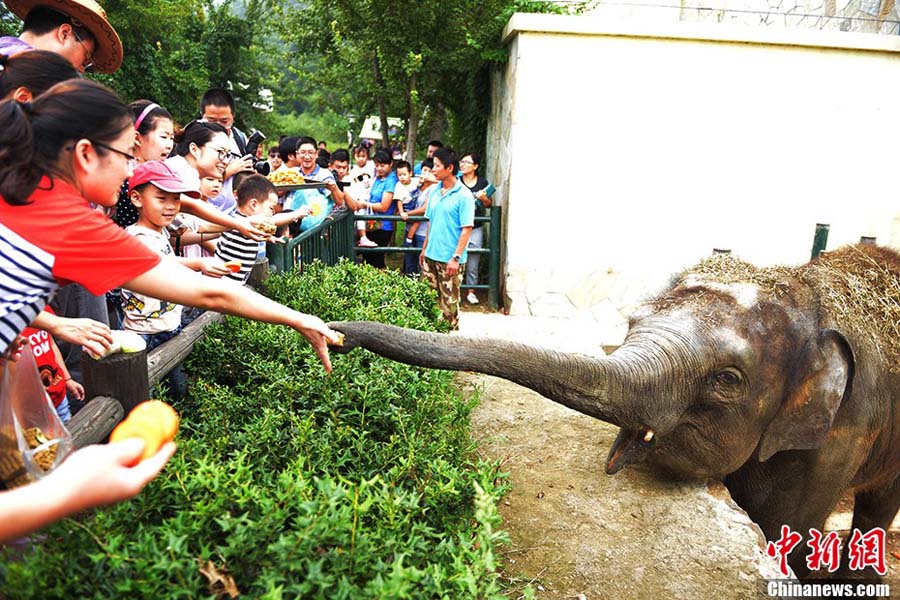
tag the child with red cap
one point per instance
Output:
(155, 191)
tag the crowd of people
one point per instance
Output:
(383, 184)
(113, 217)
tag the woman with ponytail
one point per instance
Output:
(71, 147)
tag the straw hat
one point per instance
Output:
(108, 53)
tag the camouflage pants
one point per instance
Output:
(447, 288)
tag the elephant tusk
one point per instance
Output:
(648, 437)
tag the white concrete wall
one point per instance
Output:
(625, 152)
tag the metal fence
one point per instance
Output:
(334, 239)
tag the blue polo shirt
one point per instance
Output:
(380, 187)
(447, 214)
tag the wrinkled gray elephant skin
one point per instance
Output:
(783, 382)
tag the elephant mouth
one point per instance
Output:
(631, 446)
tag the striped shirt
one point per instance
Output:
(234, 245)
(54, 240)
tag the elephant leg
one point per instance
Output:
(872, 508)
(793, 489)
(877, 507)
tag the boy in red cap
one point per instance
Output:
(155, 190)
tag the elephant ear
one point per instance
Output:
(822, 380)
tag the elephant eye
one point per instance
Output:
(728, 377)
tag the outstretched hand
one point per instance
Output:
(99, 475)
(319, 335)
(247, 229)
(93, 335)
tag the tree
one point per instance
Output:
(176, 50)
(409, 59)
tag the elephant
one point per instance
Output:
(783, 382)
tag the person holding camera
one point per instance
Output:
(217, 106)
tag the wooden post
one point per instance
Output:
(259, 273)
(121, 375)
(93, 423)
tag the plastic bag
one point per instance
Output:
(33, 440)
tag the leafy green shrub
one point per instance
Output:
(358, 484)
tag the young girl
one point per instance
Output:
(154, 132)
(75, 145)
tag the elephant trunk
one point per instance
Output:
(594, 387)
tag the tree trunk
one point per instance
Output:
(382, 108)
(412, 129)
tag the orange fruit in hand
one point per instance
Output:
(164, 415)
(233, 265)
(153, 421)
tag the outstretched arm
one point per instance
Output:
(171, 281)
(93, 476)
(93, 335)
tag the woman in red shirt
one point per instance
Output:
(71, 147)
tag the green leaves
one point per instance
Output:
(359, 484)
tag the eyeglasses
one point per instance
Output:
(111, 149)
(225, 155)
(307, 152)
(88, 56)
(466, 162)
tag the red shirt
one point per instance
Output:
(52, 375)
(56, 239)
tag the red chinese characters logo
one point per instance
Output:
(864, 550)
(867, 550)
(783, 546)
(823, 551)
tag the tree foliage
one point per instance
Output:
(175, 50)
(319, 59)
(435, 58)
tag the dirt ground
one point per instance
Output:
(577, 533)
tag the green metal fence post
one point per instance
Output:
(494, 264)
(820, 240)
(278, 256)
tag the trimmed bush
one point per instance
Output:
(359, 484)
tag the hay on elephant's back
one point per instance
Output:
(858, 288)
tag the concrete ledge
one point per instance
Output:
(522, 23)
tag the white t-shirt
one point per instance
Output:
(144, 314)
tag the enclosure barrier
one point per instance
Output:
(334, 239)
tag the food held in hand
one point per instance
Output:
(315, 209)
(286, 177)
(123, 341)
(153, 421)
(233, 265)
(267, 226)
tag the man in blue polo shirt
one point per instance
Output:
(320, 202)
(451, 216)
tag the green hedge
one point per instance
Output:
(359, 484)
